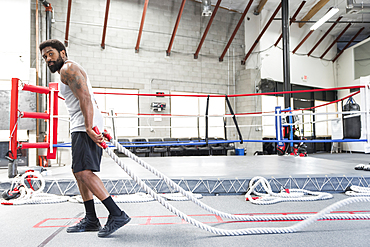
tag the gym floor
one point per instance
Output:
(154, 225)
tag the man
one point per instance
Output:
(86, 148)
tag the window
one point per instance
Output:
(126, 108)
(188, 123)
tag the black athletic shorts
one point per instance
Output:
(86, 155)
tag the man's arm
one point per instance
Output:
(71, 75)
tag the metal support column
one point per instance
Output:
(286, 51)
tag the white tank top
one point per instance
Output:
(74, 110)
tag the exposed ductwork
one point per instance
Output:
(357, 8)
(206, 8)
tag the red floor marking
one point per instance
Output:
(218, 219)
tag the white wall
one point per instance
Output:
(346, 77)
(15, 40)
(320, 72)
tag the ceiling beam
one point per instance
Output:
(67, 22)
(323, 37)
(313, 11)
(354, 37)
(105, 24)
(303, 40)
(291, 20)
(261, 34)
(258, 10)
(168, 52)
(221, 58)
(340, 35)
(141, 26)
(207, 29)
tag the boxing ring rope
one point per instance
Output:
(53, 117)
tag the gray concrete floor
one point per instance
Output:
(153, 225)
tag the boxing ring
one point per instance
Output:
(185, 187)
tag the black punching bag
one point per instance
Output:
(351, 124)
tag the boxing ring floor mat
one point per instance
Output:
(213, 175)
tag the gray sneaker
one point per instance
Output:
(113, 224)
(85, 225)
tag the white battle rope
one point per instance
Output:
(358, 191)
(307, 220)
(270, 197)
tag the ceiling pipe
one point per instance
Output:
(357, 8)
(261, 34)
(141, 26)
(221, 58)
(340, 35)
(323, 37)
(102, 45)
(168, 52)
(291, 20)
(348, 44)
(67, 22)
(207, 29)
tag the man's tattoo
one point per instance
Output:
(72, 79)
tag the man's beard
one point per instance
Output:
(58, 64)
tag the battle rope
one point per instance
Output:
(358, 191)
(133, 198)
(201, 204)
(283, 196)
(296, 227)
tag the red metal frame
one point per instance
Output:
(67, 22)
(105, 25)
(52, 153)
(38, 115)
(168, 52)
(207, 29)
(291, 21)
(303, 40)
(353, 38)
(335, 41)
(53, 99)
(36, 89)
(141, 26)
(13, 144)
(221, 58)
(323, 37)
(261, 34)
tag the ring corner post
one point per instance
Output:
(13, 143)
(53, 121)
(279, 132)
(365, 93)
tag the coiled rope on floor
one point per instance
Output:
(270, 197)
(28, 193)
(358, 191)
(307, 220)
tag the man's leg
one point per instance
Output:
(92, 184)
(90, 222)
